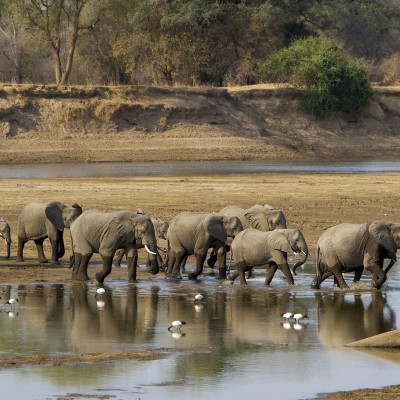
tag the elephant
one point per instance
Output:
(104, 233)
(194, 234)
(161, 229)
(353, 247)
(5, 233)
(39, 221)
(262, 217)
(252, 247)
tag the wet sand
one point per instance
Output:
(310, 202)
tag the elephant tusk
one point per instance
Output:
(303, 252)
(163, 249)
(148, 250)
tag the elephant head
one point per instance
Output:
(221, 226)
(387, 234)
(161, 228)
(5, 232)
(288, 240)
(62, 216)
(265, 218)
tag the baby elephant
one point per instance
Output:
(252, 248)
(5, 233)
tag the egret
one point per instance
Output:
(297, 317)
(287, 315)
(177, 325)
(198, 298)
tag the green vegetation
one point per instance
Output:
(184, 42)
(327, 79)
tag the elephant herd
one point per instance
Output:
(257, 236)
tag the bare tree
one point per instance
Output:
(62, 22)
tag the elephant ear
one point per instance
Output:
(267, 206)
(140, 211)
(380, 232)
(214, 225)
(257, 218)
(278, 240)
(123, 224)
(53, 213)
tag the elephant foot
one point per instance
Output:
(227, 282)
(132, 281)
(99, 277)
(117, 265)
(192, 276)
(176, 275)
(80, 277)
(314, 284)
(55, 262)
(19, 259)
(43, 261)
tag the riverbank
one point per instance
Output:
(50, 124)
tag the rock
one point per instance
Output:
(373, 110)
(388, 339)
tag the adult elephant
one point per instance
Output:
(161, 228)
(39, 221)
(252, 247)
(262, 217)
(104, 233)
(5, 233)
(196, 233)
(353, 247)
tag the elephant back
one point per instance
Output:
(32, 221)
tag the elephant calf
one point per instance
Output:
(252, 248)
(196, 233)
(39, 221)
(353, 247)
(5, 233)
(104, 233)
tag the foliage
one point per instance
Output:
(327, 79)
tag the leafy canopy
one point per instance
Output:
(327, 80)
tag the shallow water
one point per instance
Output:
(233, 345)
(192, 168)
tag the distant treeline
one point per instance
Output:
(185, 42)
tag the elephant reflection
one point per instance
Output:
(347, 317)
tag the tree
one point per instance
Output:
(61, 23)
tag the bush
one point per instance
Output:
(326, 79)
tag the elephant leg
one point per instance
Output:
(200, 258)
(242, 273)
(80, 268)
(54, 249)
(286, 271)
(75, 262)
(107, 266)
(39, 246)
(221, 255)
(212, 259)
(316, 283)
(118, 259)
(20, 251)
(183, 263)
(60, 241)
(337, 272)
(233, 276)
(177, 261)
(271, 269)
(377, 271)
(132, 266)
(357, 274)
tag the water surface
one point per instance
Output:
(234, 345)
(192, 168)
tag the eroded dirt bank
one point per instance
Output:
(43, 124)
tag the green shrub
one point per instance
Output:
(327, 80)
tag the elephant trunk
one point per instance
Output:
(380, 281)
(302, 261)
(151, 248)
(8, 248)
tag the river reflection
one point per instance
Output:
(234, 343)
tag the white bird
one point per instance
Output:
(297, 317)
(100, 291)
(198, 298)
(177, 325)
(287, 315)
(11, 302)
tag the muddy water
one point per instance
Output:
(233, 345)
(192, 168)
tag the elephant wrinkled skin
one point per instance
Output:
(252, 248)
(38, 221)
(104, 233)
(353, 247)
